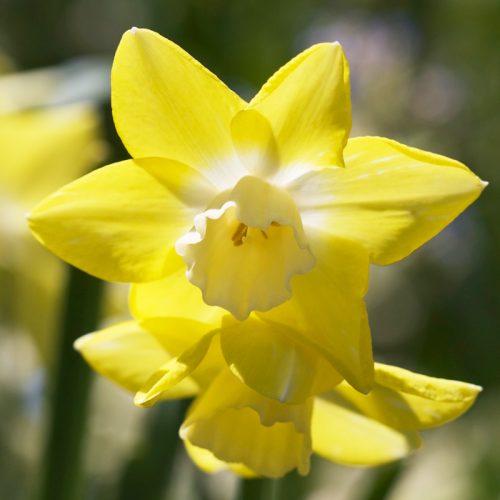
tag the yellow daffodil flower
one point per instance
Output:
(266, 202)
(232, 426)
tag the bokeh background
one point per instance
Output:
(424, 73)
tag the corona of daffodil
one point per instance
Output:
(232, 426)
(254, 204)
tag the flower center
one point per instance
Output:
(243, 255)
(241, 232)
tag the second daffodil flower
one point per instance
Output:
(230, 425)
(261, 202)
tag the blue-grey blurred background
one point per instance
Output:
(424, 73)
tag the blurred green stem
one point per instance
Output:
(259, 489)
(148, 474)
(385, 478)
(293, 485)
(69, 392)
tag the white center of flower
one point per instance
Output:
(243, 254)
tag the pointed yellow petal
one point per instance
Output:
(208, 463)
(255, 143)
(175, 370)
(408, 401)
(391, 198)
(190, 186)
(175, 334)
(238, 426)
(167, 104)
(118, 222)
(327, 307)
(271, 359)
(432, 401)
(128, 355)
(308, 105)
(173, 296)
(344, 435)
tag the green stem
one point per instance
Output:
(69, 392)
(259, 489)
(148, 474)
(293, 485)
(385, 478)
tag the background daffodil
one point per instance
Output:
(40, 150)
(231, 426)
(264, 201)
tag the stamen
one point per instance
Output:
(240, 234)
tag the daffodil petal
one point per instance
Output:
(208, 463)
(190, 186)
(118, 222)
(391, 198)
(175, 370)
(165, 103)
(270, 358)
(432, 401)
(408, 401)
(128, 355)
(255, 143)
(175, 334)
(186, 340)
(239, 426)
(174, 295)
(237, 435)
(344, 435)
(308, 105)
(383, 405)
(327, 307)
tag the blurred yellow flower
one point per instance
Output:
(232, 426)
(267, 202)
(40, 150)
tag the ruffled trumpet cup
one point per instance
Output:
(231, 426)
(266, 202)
